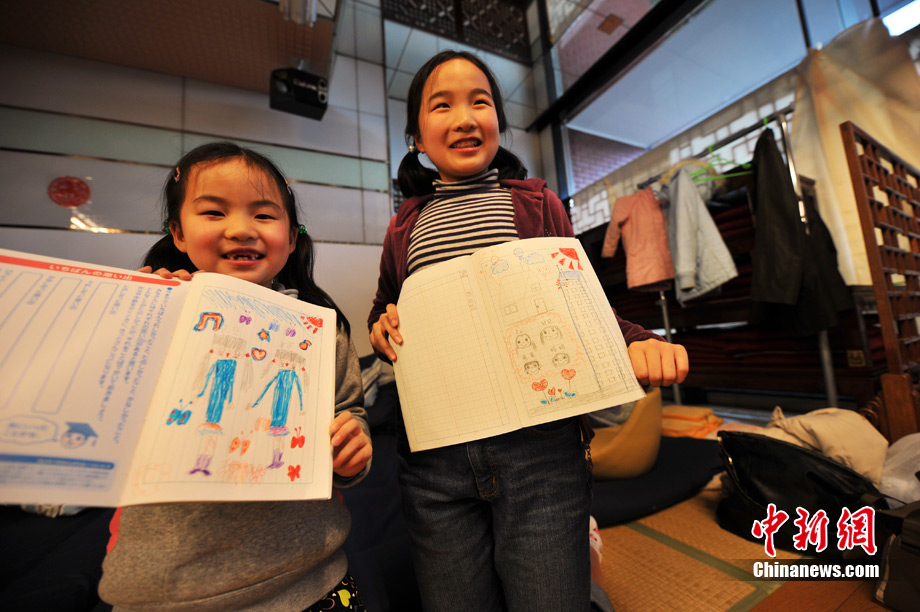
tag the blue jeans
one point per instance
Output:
(501, 523)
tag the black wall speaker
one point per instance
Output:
(298, 92)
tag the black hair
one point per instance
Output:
(297, 272)
(415, 179)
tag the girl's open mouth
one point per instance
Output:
(466, 144)
(243, 256)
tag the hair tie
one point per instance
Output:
(413, 149)
(166, 229)
(301, 229)
(176, 178)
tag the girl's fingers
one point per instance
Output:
(164, 273)
(668, 370)
(349, 459)
(379, 342)
(343, 428)
(386, 327)
(658, 363)
(355, 463)
(682, 362)
(390, 322)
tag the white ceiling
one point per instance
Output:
(726, 49)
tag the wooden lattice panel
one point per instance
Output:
(887, 191)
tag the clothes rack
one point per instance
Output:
(779, 117)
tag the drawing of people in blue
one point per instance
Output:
(283, 382)
(223, 372)
(220, 378)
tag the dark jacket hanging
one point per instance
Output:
(796, 285)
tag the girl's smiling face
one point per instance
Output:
(233, 222)
(458, 124)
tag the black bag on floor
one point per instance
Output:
(899, 585)
(762, 470)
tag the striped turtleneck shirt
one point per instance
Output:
(462, 217)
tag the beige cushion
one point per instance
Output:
(630, 449)
(843, 435)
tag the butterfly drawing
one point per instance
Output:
(297, 441)
(237, 443)
(179, 417)
(293, 472)
(245, 319)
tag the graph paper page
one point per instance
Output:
(513, 335)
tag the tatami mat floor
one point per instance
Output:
(680, 559)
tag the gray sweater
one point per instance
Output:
(241, 555)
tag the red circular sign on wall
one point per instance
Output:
(68, 191)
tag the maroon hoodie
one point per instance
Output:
(538, 212)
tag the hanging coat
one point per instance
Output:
(796, 285)
(702, 262)
(638, 219)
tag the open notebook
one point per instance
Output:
(122, 388)
(513, 335)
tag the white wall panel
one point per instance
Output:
(398, 85)
(236, 113)
(395, 36)
(344, 41)
(419, 48)
(371, 89)
(46, 81)
(348, 273)
(330, 213)
(368, 33)
(123, 196)
(373, 133)
(527, 147)
(117, 250)
(378, 208)
(396, 120)
(40, 131)
(518, 115)
(343, 86)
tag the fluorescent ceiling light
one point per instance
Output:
(905, 18)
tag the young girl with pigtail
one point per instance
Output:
(229, 210)
(499, 523)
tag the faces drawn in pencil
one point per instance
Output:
(546, 354)
(550, 334)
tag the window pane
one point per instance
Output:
(723, 51)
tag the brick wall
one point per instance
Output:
(593, 157)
